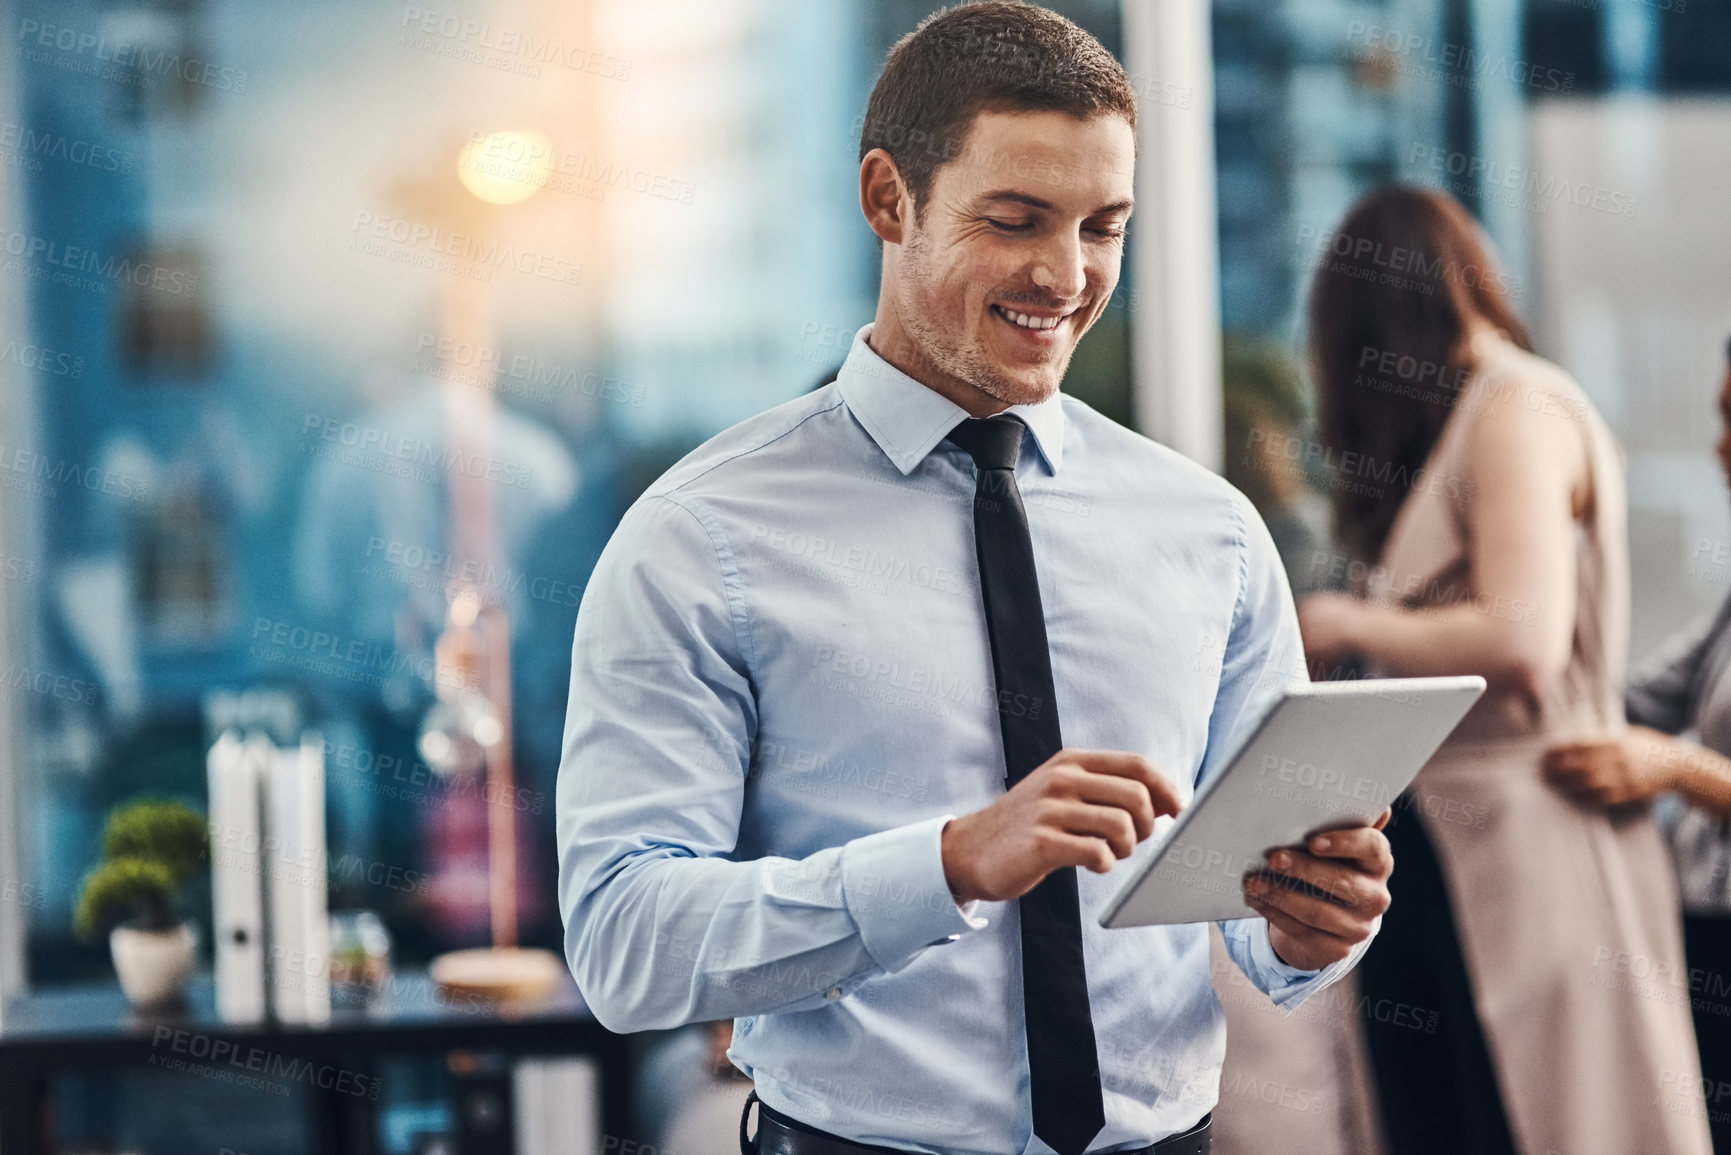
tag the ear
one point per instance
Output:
(883, 196)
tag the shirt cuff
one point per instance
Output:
(894, 887)
(1288, 986)
(1262, 951)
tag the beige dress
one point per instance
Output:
(1567, 917)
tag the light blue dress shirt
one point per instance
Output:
(782, 688)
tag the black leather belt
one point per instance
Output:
(779, 1135)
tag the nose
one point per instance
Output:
(1059, 267)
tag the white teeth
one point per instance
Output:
(1028, 322)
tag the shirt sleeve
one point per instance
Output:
(1660, 691)
(1264, 655)
(662, 926)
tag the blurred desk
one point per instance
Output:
(90, 1026)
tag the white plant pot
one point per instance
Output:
(152, 964)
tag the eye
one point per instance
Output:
(1009, 226)
(1109, 234)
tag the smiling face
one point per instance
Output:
(1012, 257)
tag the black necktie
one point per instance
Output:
(1063, 1065)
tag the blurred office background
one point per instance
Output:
(242, 288)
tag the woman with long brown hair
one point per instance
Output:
(1479, 498)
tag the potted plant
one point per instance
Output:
(150, 849)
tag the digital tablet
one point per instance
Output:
(1326, 756)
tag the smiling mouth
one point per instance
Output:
(1031, 321)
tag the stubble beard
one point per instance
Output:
(967, 363)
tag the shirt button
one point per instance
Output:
(832, 993)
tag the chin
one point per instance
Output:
(1019, 384)
(1022, 388)
(1029, 393)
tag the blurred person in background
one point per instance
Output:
(1484, 495)
(1683, 688)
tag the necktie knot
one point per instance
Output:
(993, 442)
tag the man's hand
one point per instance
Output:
(1326, 896)
(1080, 808)
(1612, 771)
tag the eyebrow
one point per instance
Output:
(1034, 202)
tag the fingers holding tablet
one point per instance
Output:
(1324, 898)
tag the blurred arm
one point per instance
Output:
(1660, 701)
(1518, 629)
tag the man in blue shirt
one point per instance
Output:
(813, 777)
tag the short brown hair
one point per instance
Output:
(991, 56)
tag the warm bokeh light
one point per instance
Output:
(506, 168)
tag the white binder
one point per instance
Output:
(296, 883)
(316, 909)
(556, 1103)
(236, 883)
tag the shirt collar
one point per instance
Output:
(908, 419)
